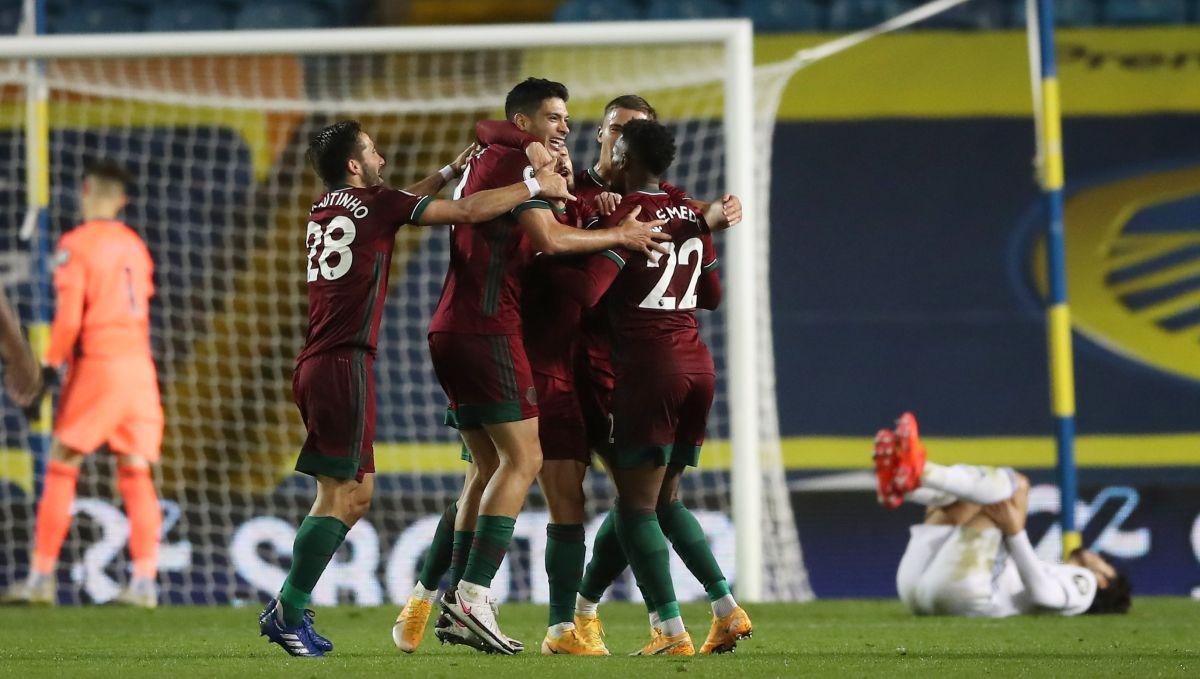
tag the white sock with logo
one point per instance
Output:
(561, 628)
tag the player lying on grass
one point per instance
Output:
(569, 351)
(971, 555)
(101, 333)
(350, 236)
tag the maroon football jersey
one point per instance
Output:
(652, 302)
(550, 318)
(351, 232)
(482, 291)
(595, 337)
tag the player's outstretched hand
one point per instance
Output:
(551, 184)
(1010, 514)
(643, 237)
(607, 202)
(460, 163)
(731, 207)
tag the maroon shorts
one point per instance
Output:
(486, 378)
(560, 425)
(594, 386)
(660, 418)
(335, 392)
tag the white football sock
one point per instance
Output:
(584, 606)
(724, 606)
(655, 621)
(981, 485)
(560, 629)
(672, 627)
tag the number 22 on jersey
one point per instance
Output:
(658, 299)
(332, 239)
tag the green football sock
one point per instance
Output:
(459, 553)
(687, 537)
(646, 599)
(316, 540)
(646, 547)
(492, 535)
(564, 568)
(608, 560)
(437, 559)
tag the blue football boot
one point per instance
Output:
(299, 641)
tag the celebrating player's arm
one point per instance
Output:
(552, 238)
(480, 207)
(720, 214)
(437, 181)
(22, 377)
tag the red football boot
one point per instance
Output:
(910, 456)
(886, 461)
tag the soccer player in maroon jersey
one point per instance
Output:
(569, 356)
(477, 349)
(350, 235)
(664, 387)
(592, 381)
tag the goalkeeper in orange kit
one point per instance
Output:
(101, 333)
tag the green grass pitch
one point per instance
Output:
(1161, 637)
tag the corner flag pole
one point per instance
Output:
(1048, 117)
(36, 227)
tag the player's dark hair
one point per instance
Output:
(650, 143)
(329, 149)
(108, 171)
(528, 95)
(632, 102)
(1114, 599)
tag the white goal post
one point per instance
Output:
(758, 491)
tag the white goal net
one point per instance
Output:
(216, 144)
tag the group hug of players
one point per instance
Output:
(566, 327)
(540, 373)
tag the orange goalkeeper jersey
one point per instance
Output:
(103, 278)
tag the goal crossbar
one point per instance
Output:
(369, 40)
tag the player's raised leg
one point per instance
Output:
(902, 471)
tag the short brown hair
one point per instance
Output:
(108, 171)
(632, 102)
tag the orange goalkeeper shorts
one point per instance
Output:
(113, 401)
